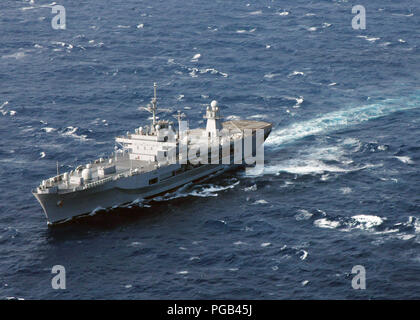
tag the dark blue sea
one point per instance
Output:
(341, 181)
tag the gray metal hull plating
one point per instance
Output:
(63, 207)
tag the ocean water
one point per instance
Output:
(341, 181)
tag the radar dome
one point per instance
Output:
(213, 104)
(87, 174)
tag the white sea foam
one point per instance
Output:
(296, 73)
(265, 244)
(283, 13)
(71, 132)
(49, 129)
(370, 39)
(196, 57)
(42, 154)
(182, 272)
(304, 255)
(258, 12)
(345, 190)
(404, 159)
(366, 222)
(325, 223)
(16, 55)
(261, 201)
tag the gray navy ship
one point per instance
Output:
(153, 160)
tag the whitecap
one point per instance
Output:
(48, 129)
(404, 159)
(262, 201)
(304, 255)
(182, 272)
(345, 190)
(283, 13)
(42, 154)
(256, 12)
(265, 244)
(325, 223)
(140, 26)
(370, 39)
(312, 29)
(366, 222)
(196, 57)
(296, 73)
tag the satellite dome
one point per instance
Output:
(87, 174)
(213, 104)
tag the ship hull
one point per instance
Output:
(64, 207)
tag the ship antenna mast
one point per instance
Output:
(179, 116)
(154, 104)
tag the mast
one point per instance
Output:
(154, 104)
(179, 116)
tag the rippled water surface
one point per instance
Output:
(340, 186)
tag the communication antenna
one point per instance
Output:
(154, 104)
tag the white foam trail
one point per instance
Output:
(302, 167)
(338, 119)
